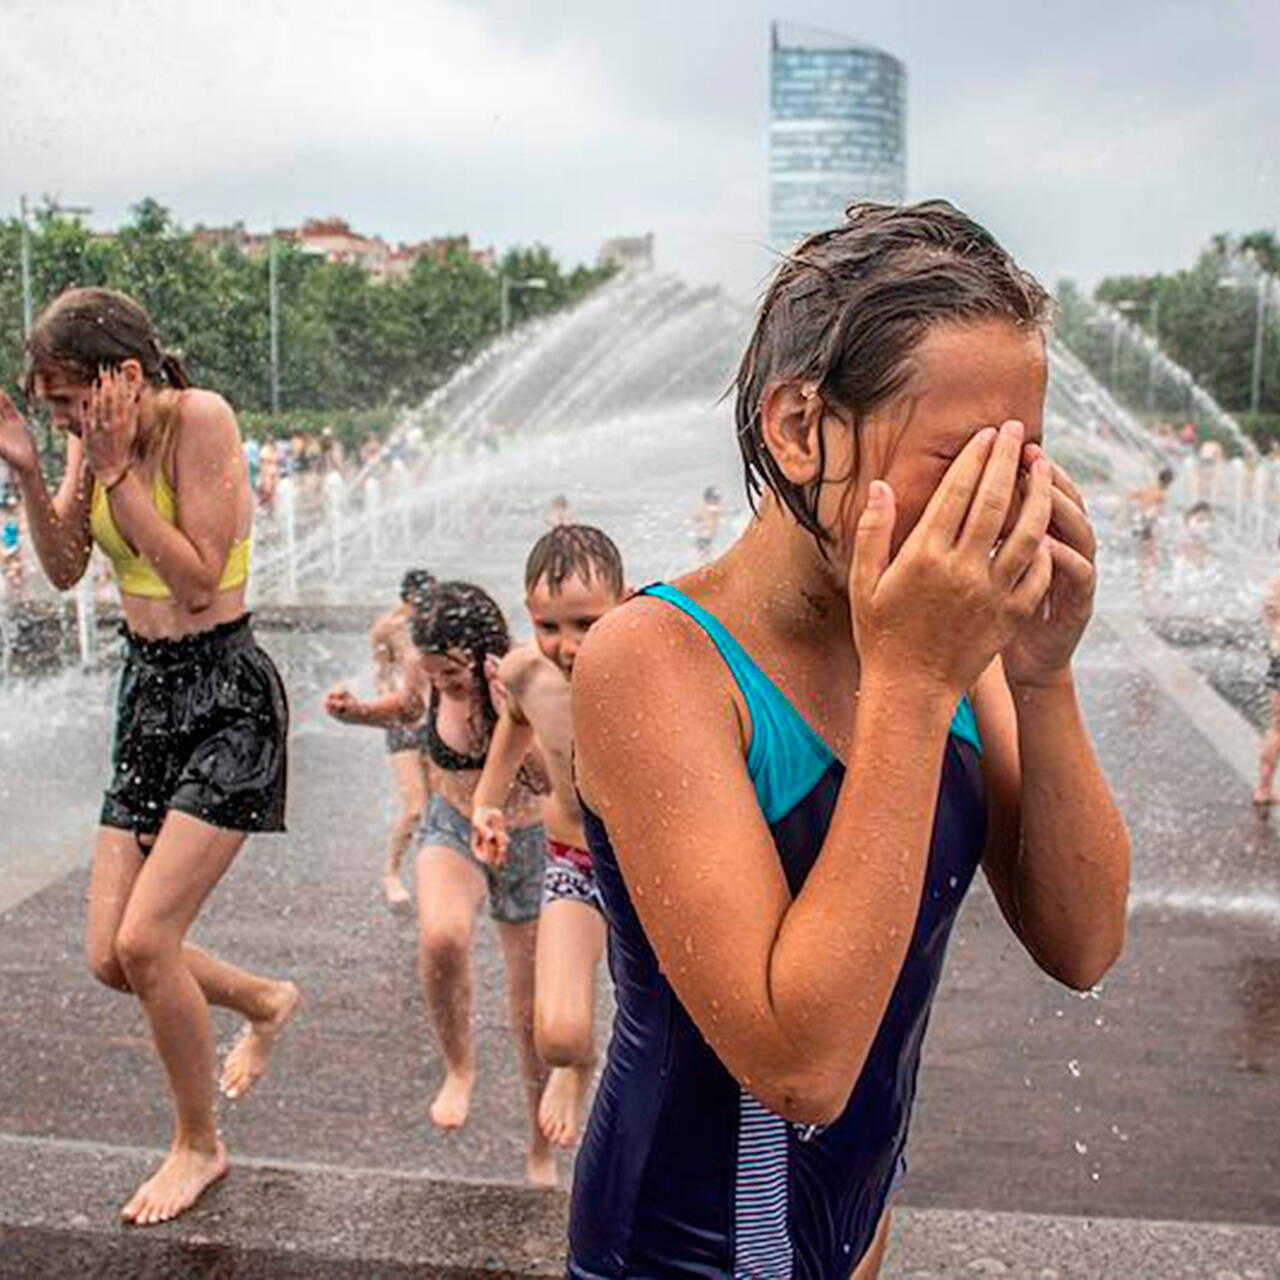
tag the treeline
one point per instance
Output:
(1205, 318)
(347, 345)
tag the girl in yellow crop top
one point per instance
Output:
(156, 475)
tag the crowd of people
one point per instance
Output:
(768, 783)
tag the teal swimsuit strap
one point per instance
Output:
(786, 758)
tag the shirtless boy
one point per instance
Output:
(392, 651)
(573, 576)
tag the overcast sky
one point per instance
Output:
(1092, 137)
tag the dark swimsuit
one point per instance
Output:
(440, 752)
(682, 1172)
(515, 888)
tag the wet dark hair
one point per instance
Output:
(571, 549)
(416, 587)
(846, 308)
(84, 330)
(1165, 477)
(462, 616)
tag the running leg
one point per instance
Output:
(188, 859)
(570, 943)
(450, 891)
(1269, 755)
(267, 1004)
(411, 793)
(519, 943)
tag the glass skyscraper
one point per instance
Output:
(837, 130)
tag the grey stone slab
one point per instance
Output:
(289, 1220)
(930, 1244)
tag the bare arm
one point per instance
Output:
(382, 643)
(1271, 610)
(210, 477)
(1057, 852)
(59, 523)
(400, 707)
(511, 743)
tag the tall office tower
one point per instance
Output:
(837, 129)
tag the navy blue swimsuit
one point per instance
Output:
(682, 1172)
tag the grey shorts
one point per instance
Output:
(515, 888)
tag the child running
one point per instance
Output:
(794, 760)
(155, 474)
(461, 630)
(1264, 795)
(392, 650)
(573, 578)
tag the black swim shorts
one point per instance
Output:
(201, 726)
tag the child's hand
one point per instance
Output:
(111, 427)
(1040, 651)
(17, 448)
(341, 703)
(498, 694)
(958, 589)
(489, 838)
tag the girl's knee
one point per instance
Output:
(445, 945)
(105, 965)
(562, 1039)
(143, 955)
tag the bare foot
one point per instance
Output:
(250, 1054)
(175, 1186)
(540, 1169)
(394, 891)
(560, 1111)
(453, 1102)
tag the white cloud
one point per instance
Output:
(89, 91)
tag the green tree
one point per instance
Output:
(349, 345)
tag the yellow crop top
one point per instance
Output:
(135, 574)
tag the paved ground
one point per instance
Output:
(1156, 1098)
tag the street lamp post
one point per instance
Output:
(273, 296)
(506, 285)
(26, 272)
(1130, 305)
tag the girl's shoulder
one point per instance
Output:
(644, 651)
(204, 429)
(196, 407)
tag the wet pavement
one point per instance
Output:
(1155, 1098)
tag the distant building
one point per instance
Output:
(837, 129)
(334, 240)
(627, 252)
